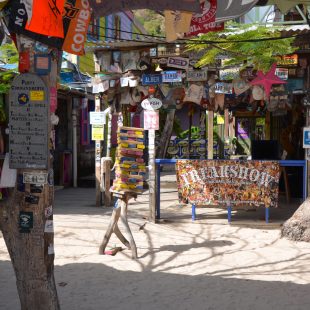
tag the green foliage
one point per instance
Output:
(8, 55)
(243, 44)
(152, 22)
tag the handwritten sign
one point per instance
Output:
(227, 182)
(28, 122)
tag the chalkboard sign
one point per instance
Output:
(28, 123)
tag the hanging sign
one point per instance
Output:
(172, 76)
(197, 75)
(205, 21)
(227, 182)
(74, 20)
(151, 104)
(24, 62)
(151, 120)
(97, 132)
(28, 122)
(223, 88)
(178, 62)
(282, 73)
(288, 60)
(306, 137)
(151, 79)
(229, 74)
(97, 118)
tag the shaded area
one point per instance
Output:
(154, 290)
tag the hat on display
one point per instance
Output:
(240, 86)
(258, 92)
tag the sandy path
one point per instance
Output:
(183, 265)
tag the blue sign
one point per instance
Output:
(172, 76)
(306, 137)
(23, 99)
(151, 79)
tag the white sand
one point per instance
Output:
(207, 264)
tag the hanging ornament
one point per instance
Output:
(267, 80)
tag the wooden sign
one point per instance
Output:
(178, 62)
(228, 183)
(28, 122)
(197, 75)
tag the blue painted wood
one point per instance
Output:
(193, 212)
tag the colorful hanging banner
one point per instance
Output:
(75, 20)
(205, 22)
(228, 183)
(45, 17)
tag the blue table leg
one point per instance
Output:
(229, 214)
(267, 215)
(304, 188)
(193, 212)
(158, 191)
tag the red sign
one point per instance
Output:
(24, 62)
(151, 120)
(205, 22)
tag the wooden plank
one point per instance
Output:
(210, 134)
(98, 160)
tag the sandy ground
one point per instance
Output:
(207, 264)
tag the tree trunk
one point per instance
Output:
(297, 228)
(32, 250)
(166, 134)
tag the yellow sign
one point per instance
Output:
(288, 60)
(220, 120)
(97, 132)
(36, 95)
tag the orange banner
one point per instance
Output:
(77, 32)
(45, 17)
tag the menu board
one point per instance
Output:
(28, 123)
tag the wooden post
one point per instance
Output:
(210, 134)
(226, 120)
(105, 180)
(152, 180)
(267, 125)
(120, 212)
(98, 151)
(190, 117)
